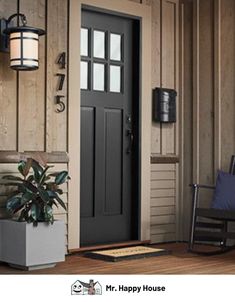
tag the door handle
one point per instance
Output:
(131, 136)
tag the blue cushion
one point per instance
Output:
(224, 195)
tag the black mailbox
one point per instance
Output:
(164, 105)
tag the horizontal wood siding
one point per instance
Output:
(163, 202)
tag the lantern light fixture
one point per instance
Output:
(22, 41)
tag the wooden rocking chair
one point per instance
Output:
(215, 230)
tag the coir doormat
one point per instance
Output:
(127, 253)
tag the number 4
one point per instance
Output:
(61, 60)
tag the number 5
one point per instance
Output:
(60, 103)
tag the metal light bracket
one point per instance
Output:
(4, 25)
(4, 38)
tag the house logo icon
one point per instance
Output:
(83, 288)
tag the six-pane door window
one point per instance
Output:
(101, 61)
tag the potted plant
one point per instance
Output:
(34, 239)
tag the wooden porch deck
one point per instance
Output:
(179, 262)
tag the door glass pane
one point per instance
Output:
(99, 44)
(84, 42)
(98, 77)
(84, 75)
(115, 47)
(115, 78)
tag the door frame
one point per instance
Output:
(133, 10)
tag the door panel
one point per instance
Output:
(106, 128)
(113, 161)
(87, 166)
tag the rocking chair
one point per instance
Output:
(214, 229)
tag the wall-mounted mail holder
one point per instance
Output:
(164, 105)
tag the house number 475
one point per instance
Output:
(61, 78)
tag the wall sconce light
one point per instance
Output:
(22, 40)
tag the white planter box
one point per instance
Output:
(24, 246)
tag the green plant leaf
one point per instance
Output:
(21, 166)
(35, 212)
(12, 177)
(48, 211)
(47, 178)
(51, 186)
(35, 195)
(23, 214)
(30, 178)
(37, 169)
(22, 188)
(27, 196)
(43, 175)
(25, 166)
(44, 195)
(52, 194)
(60, 201)
(13, 204)
(28, 185)
(54, 203)
(61, 177)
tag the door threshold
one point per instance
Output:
(109, 246)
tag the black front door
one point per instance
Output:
(108, 208)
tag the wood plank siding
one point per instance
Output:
(28, 117)
(165, 70)
(209, 92)
(163, 202)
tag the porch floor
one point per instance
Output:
(178, 262)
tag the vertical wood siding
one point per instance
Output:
(211, 132)
(206, 91)
(227, 42)
(187, 117)
(165, 70)
(28, 121)
(56, 43)
(215, 48)
(31, 92)
(8, 92)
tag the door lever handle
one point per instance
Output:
(130, 134)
